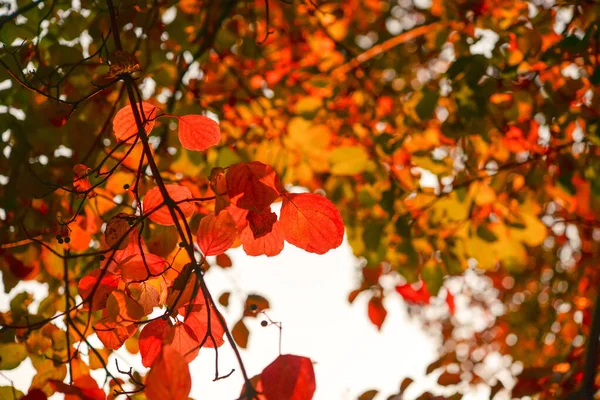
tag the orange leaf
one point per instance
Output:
(82, 183)
(162, 216)
(253, 186)
(289, 378)
(216, 234)
(169, 378)
(196, 317)
(270, 244)
(117, 229)
(377, 312)
(197, 132)
(112, 334)
(240, 334)
(89, 286)
(124, 125)
(311, 222)
(139, 268)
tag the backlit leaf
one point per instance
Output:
(197, 132)
(124, 125)
(311, 222)
(216, 234)
(289, 377)
(169, 378)
(160, 213)
(253, 186)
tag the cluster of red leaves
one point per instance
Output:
(243, 210)
(133, 281)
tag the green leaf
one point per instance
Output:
(427, 105)
(486, 234)
(10, 393)
(11, 355)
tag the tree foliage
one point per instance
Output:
(458, 140)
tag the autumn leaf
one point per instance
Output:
(196, 317)
(82, 183)
(151, 340)
(270, 244)
(169, 378)
(253, 186)
(450, 302)
(289, 377)
(34, 394)
(117, 229)
(261, 223)
(94, 292)
(198, 133)
(124, 124)
(83, 388)
(216, 234)
(113, 334)
(142, 266)
(412, 295)
(240, 334)
(160, 213)
(311, 222)
(376, 312)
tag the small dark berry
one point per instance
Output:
(58, 237)
(264, 323)
(101, 258)
(67, 239)
(181, 244)
(60, 241)
(126, 186)
(130, 223)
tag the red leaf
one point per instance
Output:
(162, 216)
(289, 377)
(151, 340)
(239, 216)
(124, 124)
(197, 319)
(82, 183)
(197, 132)
(270, 244)
(261, 222)
(83, 388)
(113, 334)
(450, 302)
(311, 222)
(169, 378)
(415, 296)
(253, 186)
(35, 394)
(377, 312)
(216, 234)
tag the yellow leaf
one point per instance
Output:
(348, 160)
(309, 105)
